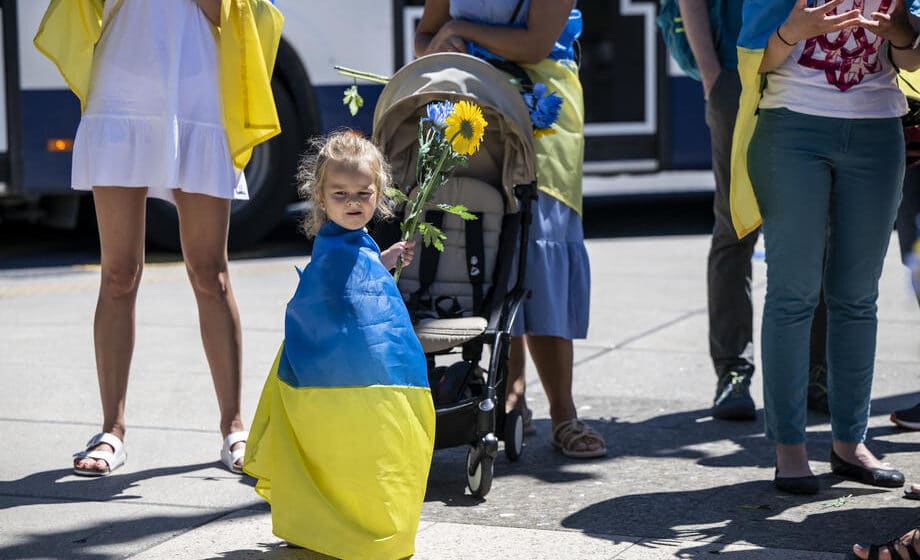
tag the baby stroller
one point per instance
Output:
(460, 299)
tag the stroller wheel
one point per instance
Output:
(479, 479)
(514, 435)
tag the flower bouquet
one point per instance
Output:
(447, 136)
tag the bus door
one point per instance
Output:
(9, 150)
(640, 114)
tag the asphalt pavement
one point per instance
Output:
(676, 483)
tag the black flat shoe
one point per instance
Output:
(887, 478)
(796, 484)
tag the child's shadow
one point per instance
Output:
(272, 551)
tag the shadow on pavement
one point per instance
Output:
(62, 484)
(745, 513)
(733, 512)
(90, 541)
(275, 551)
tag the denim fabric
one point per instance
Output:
(823, 184)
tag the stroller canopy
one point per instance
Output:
(508, 142)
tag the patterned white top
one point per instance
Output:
(846, 74)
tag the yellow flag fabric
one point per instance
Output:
(744, 209)
(350, 463)
(250, 31)
(249, 35)
(68, 35)
(560, 156)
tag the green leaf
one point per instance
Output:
(458, 210)
(431, 235)
(353, 100)
(839, 502)
(396, 195)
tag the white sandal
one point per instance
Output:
(113, 459)
(228, 457)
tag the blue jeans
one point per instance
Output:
(834, 185)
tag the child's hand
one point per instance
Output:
(402, 249)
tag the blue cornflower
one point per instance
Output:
(544, 107)
(438, 113)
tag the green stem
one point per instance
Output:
(417, 205)
(361, 75)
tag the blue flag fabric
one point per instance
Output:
(347, 324)
(761, 18)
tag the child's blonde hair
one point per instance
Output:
(350, 149)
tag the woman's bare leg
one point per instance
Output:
(857, 454)
(120, 217)
(203, 226)
(554, 358)
(792, 460)
(515, 395)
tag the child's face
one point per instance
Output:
(349, 196)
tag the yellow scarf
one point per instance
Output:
(250, 31)
(744, 209)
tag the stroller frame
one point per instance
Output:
(475, 414)
(480, 420)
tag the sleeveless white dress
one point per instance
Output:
(153, 118)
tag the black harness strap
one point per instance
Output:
(475, 259)
(427, 269)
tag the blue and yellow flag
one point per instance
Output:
(342, 439)
(761, 18)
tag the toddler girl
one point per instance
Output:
(342, 439)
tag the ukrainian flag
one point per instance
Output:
(343, 435)
(760, 20)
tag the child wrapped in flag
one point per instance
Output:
(342, 438)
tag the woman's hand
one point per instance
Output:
(404, 250)
(211, 9)
(804, 22)
(893, 26)
(438, 32)
(447, 39)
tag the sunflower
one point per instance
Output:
(465, 127)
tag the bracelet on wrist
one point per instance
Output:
(909, 47)
(781, 38)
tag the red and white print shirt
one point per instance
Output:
(845, 74)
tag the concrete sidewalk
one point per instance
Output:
(676, 483)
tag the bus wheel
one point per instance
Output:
(270, 179)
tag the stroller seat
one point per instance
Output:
(462, 300)
(438, 335)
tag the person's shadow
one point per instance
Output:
(677, 435)
(57, 490)
(705, 521)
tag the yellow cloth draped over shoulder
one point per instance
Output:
(249, 34)
(761, 18)
(560, 156)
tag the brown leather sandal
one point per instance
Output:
(567, 434)
(911, 546)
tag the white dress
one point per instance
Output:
(153, 118)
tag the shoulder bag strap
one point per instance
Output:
(517, 10)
